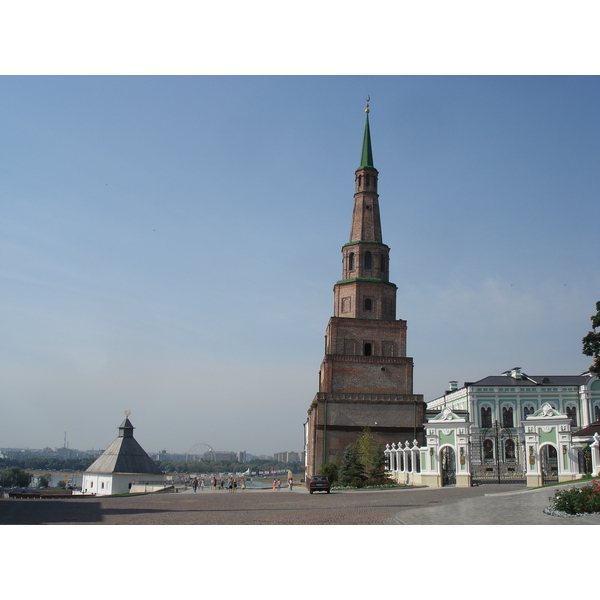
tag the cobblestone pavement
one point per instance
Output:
(488, 504)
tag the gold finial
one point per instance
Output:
(367, 108)
(127, 413)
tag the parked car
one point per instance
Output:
(319, 483)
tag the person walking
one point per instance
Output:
(290, 483)
(195, 484)
(278, 484)
(202, 484)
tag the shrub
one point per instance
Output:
(578, 501)
(330, 470)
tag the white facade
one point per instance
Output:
(105, 484)
(507, 428)
(514, 395)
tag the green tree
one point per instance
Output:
(15, 476)
(352, 472)
(591, 342)
(44, 480)
(377, 471)
(367, 449)
(331, 471)
(372, 457)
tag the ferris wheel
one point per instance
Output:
(200, 452)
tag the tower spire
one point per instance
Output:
(366, 157)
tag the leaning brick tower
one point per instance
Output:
(366, 379)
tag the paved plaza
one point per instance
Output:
(484, 505)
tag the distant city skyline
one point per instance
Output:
(170, 244)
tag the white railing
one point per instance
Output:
(404, 462)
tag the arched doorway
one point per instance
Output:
(549, 464)
(448, 464)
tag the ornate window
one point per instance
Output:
(597, 413)
(486, 416)
(488, 450)
(507, 416)
(572, 414)
(509, 451)
(528, 410)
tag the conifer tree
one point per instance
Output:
(377, 471)
(351, 469)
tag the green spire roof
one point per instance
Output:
(366, 158)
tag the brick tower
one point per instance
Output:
(366, 379)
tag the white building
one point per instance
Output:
(123, 467)
(511, 427)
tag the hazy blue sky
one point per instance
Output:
(169, 245)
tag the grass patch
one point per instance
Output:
(383, 486)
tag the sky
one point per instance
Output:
(176, 186)
(169, 245)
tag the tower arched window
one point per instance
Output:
(351, 261)
(368, 261)
(368, 304)
(368, 349)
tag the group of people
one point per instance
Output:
(231, 484)
(277, 484)
(195, 483)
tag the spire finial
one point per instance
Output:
(366, 157)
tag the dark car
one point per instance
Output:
(319, 483)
